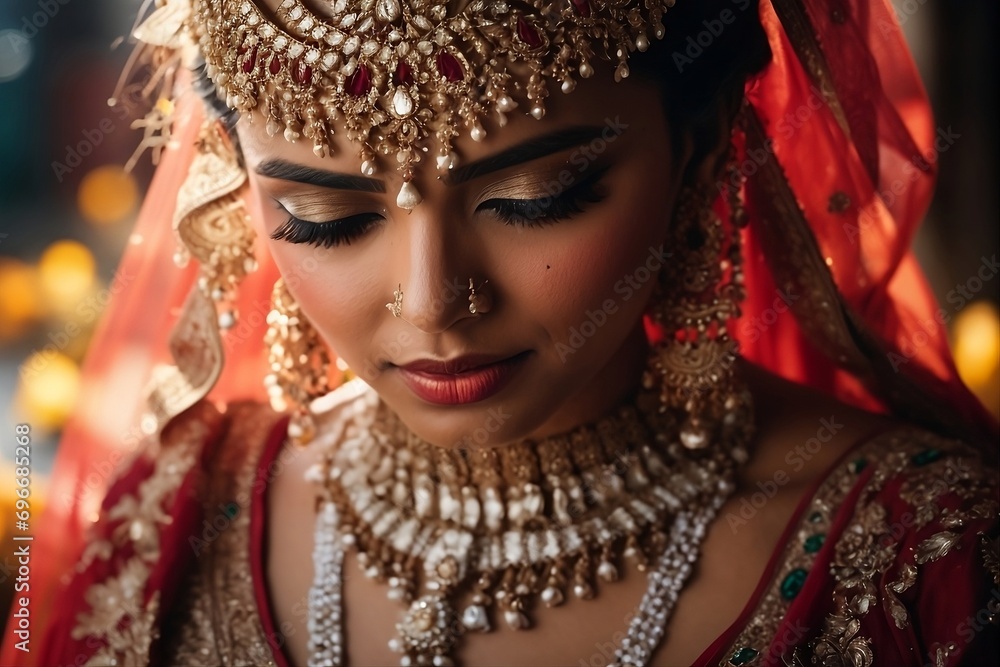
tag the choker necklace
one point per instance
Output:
(507, 527)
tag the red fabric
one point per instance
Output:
(58, 646)
(258, 542)
(884, 162)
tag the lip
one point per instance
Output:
(466, 379)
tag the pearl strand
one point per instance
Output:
(325, 623)
(648, 627)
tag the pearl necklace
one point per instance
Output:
(514, 524)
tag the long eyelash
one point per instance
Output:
(325, 234)
(546, 211)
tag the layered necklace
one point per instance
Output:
(510, 527)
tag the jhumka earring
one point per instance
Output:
(212, 226)
(698, 294)
(299, 363)
(479, 303)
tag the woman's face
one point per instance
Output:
(559, 224)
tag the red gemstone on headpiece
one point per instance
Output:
(274, 66)
(359, 83)
(449, 67)
(251, 61)
(582, 7)
(403, 75)
(303, 73)
(528, 33)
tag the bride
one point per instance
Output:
(618, 305)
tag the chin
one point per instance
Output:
(496, 421)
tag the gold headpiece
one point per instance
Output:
(401, 73)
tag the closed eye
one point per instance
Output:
(327, 234)
(547, 210)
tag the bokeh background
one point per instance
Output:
(67, 203)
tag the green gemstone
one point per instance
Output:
(814, 543)
(792, 584)
(743, 655)
(927, 456)
(858, 465)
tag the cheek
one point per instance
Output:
(603, 276)
(337, 294)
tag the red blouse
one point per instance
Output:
(891, 559)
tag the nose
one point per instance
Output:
(435, 294)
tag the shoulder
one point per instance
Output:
(893, 555)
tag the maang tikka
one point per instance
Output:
(698, 293)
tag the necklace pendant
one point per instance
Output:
(428, 631)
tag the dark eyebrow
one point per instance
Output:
(298, 173)
(526, 151)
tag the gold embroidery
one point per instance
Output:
(927, 467)
(931, 467)
(217, 620)
(991, 556)
(118, 615)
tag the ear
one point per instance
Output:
(707, 142)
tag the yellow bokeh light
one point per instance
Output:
(50, 383)
(21, 302)
(976, 333)
(107, 195)
(67, 273)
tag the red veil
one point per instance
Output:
(840, 160)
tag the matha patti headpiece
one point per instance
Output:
(404, 76)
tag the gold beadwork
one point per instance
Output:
(429, 521)
(299, 363)
(400, 75)
(698, 294)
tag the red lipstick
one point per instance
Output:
(465, 379)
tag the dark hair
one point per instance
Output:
(215, 105)
(709, 51)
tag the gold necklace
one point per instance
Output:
(512, 525)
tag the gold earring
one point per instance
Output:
(478, 303)
(299, 363)
(212, 226)
(698, 293)
(396, 307)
